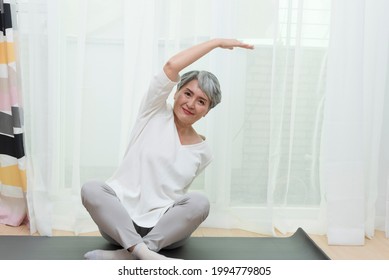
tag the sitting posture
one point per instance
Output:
(145, 207)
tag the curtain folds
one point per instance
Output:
(354, 157)
(13, 185)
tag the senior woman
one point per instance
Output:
(145, 207)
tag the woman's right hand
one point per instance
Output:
(233, 43)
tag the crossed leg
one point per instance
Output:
(116, 225)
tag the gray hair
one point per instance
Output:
(207, 82)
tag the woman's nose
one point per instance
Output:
(191, 103)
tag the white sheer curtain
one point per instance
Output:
(81, 92)
(268, 136)
(86, 64)
(355, 161)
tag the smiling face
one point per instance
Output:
(190, 104)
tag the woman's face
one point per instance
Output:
(190, 103)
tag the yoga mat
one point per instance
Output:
(299, 246)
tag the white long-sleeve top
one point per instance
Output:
(156, 169)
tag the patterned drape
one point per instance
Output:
(13, 184)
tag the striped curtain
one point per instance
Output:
(13, 184)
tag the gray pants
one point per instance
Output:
(116, 225)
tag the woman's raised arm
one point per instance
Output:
(186, 57)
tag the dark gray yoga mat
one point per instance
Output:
(299, 246)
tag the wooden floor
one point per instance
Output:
(374, 249)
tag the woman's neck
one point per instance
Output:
(187, 133)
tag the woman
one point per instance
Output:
(144, 206)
